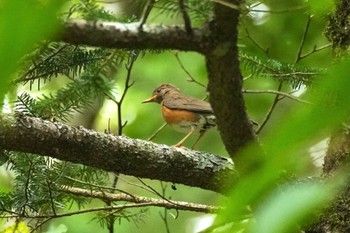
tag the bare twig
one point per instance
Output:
(127, 85)
(292, 74)
(191, 78)
(164, 216)
(302, 42)
(280, 93)
(145, 201)
(272, 108)
(51, 197)
(39, 224)
(138, 185)
(150, 138)
(278, 11)
(265, 50)
(102, 188)
(26, 187)
(96, 209)
(161, 195)
(314, 50)
(146, 12)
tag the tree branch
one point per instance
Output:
(169, 204)
(130, 36)
(118, 154)
(225, 79)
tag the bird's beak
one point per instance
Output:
(152, 99)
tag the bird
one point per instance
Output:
(184, 113)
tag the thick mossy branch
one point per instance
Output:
(115, 153)
(130, 36)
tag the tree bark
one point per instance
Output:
(111, 153)
(130, 36)
(225, 80)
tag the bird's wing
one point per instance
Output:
(183, 102)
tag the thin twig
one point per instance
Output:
(26, 187)
(265, 50)
(51, 197)
(146, 11)
(40, 223)
(272, 108)
(280, 93)
(146, 201)
(302, 42)
(137, 185)
(127, 85)
(164, 216)
(150, 138)
(191, 78)
(111, 217)
(278, 11)
(100, 187)
(315, 49)
(292, 74)
(155, 191)
(96, 209)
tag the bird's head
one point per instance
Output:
(160, 92)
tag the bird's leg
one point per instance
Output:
(201, 133)
(184, 139)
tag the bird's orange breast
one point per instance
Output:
(175, 116)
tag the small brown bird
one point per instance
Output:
(182, 112)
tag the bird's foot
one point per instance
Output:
(180, 146)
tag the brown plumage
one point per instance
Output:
(184, 113)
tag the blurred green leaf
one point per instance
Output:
(283, 212)
(320, 8)
(285, 152)
(22, 25)
(57, 229)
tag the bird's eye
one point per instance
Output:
(158, 90)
